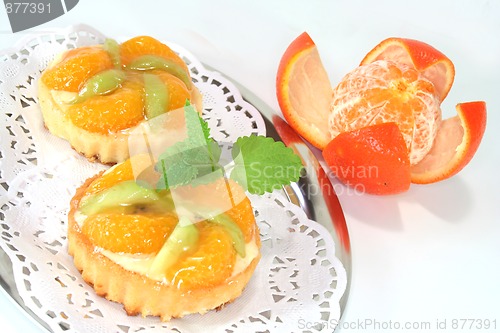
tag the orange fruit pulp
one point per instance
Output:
(125, 106)
(209, 263)
(119, 110)
(146, 45)
(387, 91)
(75, 67)
(129, 233)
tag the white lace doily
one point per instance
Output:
(298, 279)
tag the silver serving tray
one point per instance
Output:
(323, 207)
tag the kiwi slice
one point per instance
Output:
(127, 193)
(149, 62)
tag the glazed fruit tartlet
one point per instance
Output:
(158, 256)
(93, 96)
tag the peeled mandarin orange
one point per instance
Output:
(432, 63)
(129, 233)
(119, 110)
(372, 159)
(304, 91)
(457, 141)
(457, 138)
(402, 81)
(145, 45)
(82, 63)
(387, 91)
(210, 264)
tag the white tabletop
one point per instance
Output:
(421, 258)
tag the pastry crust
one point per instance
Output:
(108, 148)
(138, 293)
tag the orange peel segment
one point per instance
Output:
(372, 159)
(304, 91)
(456, 143)
(432, 63)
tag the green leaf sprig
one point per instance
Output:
(260, 163)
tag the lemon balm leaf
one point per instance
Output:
(260, 164)
(263, 165)
(197, 156)
(198, 132)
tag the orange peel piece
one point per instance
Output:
(456, 143)
(432, 63)
(372, 159)
(304, 91)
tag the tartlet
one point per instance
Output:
(94, 96)
(122, 248)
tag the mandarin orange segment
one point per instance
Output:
(121, 109)
(210, 264)
(242, 215)
(129, 233)
(372, 159)
(145, 45)
(121, 172)
(76, 67)
(385, 91)
(177, 91)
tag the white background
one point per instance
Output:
(426, 255)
